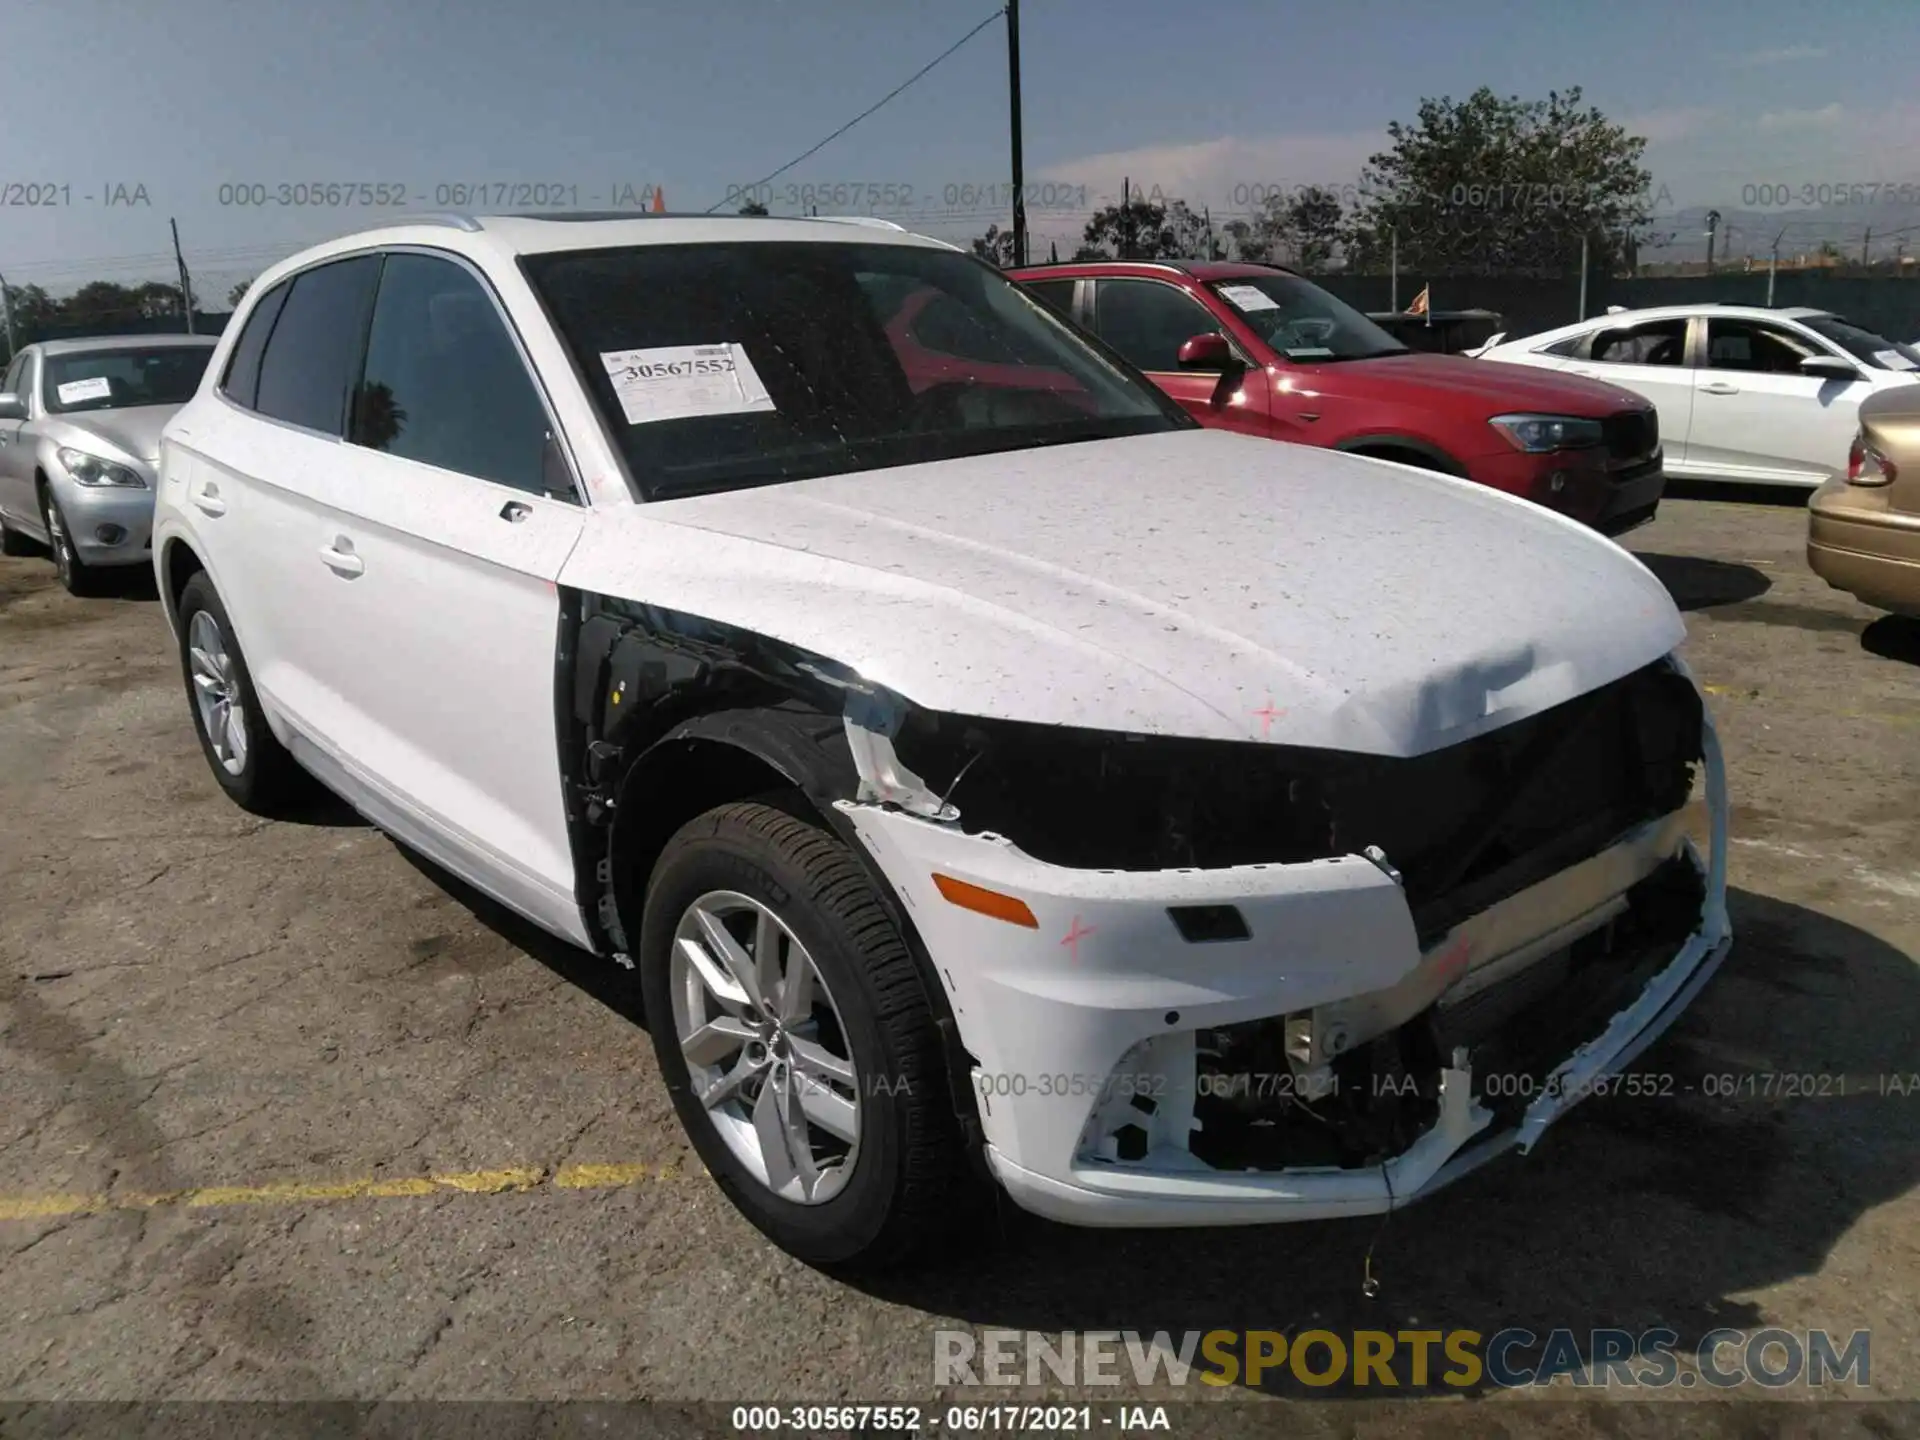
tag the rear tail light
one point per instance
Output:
(1867, 466)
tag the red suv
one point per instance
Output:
(1259, 349)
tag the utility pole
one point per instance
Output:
(1207, 211)
(6, 309)
(1126, 220)
(1713, 224)
(1393, 270)
(1583, 277)
(1866, 248)
(1013, 105)
(186, 286)
(1773, 264)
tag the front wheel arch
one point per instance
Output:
(789, 759)
(1405, 450)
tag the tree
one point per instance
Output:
(155, 299)
(34, 313)
(1250, 241)
(1308, 226)
(1492, 184)
(995, 247)
(1137, 230)
(753, 207)
(1193, 237)
(100, 302)
(237, 294)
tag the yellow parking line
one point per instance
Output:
(59, 1206)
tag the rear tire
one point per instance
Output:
(902, 1181)
(252, 767)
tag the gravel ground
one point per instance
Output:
(285, 1113)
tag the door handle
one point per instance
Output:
(340, 559)
(210, 503)
(1720, 387)
(513, 512)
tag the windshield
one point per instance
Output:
(718, 366)
(122, 378)
(1865, 346)
(1303, 322)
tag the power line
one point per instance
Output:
(808, 154)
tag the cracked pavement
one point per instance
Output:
(190, 997)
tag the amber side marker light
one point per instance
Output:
(985, 902)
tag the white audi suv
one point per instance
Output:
(995, 778)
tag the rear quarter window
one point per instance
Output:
(241, 383)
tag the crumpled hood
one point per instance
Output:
(1502, 386)
(134, 432)
(1196, 583)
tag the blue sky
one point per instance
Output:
(1208, 101)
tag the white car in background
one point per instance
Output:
(990, 772)
(1745, 393)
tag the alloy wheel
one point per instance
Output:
(216, 693)
(767, 1055)
(61, 545)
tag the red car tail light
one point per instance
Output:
(1867, 466)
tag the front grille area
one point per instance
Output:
(1631, 434)
(1466, 826)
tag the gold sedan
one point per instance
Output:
(1863, 530)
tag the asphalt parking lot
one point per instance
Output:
(284, 1113)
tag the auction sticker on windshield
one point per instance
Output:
(676, 382)
(76, 391)
(1249, 297)
(1894, 360)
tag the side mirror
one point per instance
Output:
(1829, 367)
(1208, 352)
(12, 406)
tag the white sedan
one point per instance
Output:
(1745, 393)
(995, 777)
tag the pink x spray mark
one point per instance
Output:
(1267, 716)
(1074, 936)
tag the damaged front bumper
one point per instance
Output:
(1096, 1031)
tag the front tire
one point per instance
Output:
(797, 1041)
(252, 767)
(76, 576)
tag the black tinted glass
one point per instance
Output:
(315, 348)
(242, 380)
(445, 384)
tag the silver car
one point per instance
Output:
(80, 424)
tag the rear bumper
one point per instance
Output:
(1857, 544)
(1071, 1023)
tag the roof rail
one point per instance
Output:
(453, 220)
(872, 220)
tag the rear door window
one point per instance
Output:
(1657, 342)
(313, 355)
(1056, 293)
